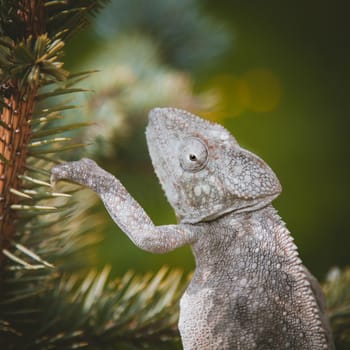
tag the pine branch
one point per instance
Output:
(138, 310)
(69, 16)
(337, 292)
(30, 54)
(134, 312)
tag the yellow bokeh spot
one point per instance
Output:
(232, 95)
(264, 90)
(257, 90)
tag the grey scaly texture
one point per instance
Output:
(250, 289)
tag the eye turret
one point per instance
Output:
(193, 154)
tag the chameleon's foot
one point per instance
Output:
(72, 171)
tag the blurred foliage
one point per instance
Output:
(337, 291)
(188, 37)
(132, 312)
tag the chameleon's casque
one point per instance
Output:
(250, 289)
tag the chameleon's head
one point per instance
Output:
(203, 170)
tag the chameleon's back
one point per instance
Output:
(251, 291)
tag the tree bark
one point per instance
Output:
(15, 127)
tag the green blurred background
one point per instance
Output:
(275, 73)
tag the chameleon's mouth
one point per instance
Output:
(152, 120)
(157, 119)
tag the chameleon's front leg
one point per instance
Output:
(123, 208)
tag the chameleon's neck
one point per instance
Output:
(258, 236)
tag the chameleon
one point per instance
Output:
(249, 289)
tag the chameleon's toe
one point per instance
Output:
(73, 171)
(59, 172)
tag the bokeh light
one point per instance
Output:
(257, 90)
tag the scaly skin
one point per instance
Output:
(250, 289)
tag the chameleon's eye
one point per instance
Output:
(193, 154)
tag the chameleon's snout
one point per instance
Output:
(155, 116)
(168, 119)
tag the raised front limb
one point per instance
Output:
(123, 208)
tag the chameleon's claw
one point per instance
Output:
(59, 172)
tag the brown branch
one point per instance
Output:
(15, 130)
(13, 147)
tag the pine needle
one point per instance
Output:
(31, 254)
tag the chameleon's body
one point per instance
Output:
(250, 289)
